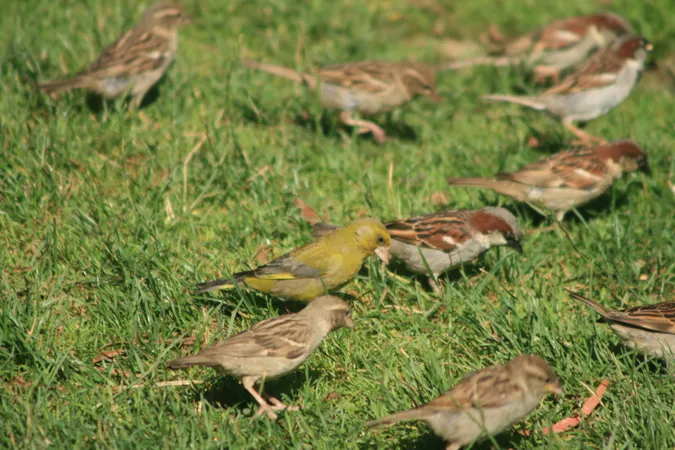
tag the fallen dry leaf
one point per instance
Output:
(587, 408)
(108, 354)
(307, 212)
(261, 254)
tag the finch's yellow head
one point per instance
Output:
(370, 237)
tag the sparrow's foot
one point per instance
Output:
(277, 405)
(584, 139)
(365, 127)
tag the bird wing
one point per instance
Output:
(599, 71)
(658, 317)
(366, 76)
(577, 169)
(134, 52)
(285, 336)
(487, 388)
(442, 231)
(286, 267)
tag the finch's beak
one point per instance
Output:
(383, 254)
(554, 388)
(349, 323)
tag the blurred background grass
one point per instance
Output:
(107, 219)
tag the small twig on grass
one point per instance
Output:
(587, 408)
(189, 156)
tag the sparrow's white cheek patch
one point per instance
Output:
(155, 55)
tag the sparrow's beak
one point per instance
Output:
(186, 20)
(644, 166)
(349, 323)
(383, 254)
(516, 246)
(649, 46)
(434, 96)
(554, 388)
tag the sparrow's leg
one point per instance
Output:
(560, 215)
(434, 285)
(265, 407)
(366, 127)
(453, 446)
(583, 138)
(277, 405)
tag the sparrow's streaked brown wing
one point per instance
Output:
(285, 336)
(136, 51)
(491, 387)
(578, 169)
(443, 231)
(658, 317)
(367, 76)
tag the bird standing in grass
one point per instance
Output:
(367, 87)
(649, 329)
(135, 61)
(273, 347)
(485, 402)
(314, 269)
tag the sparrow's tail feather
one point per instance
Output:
(189, 361)
(473, 182)
(530, 102)
(596, 306)
(495, 61)
(411, 414)
(65, 84)
(280, 71)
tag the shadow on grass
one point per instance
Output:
(228, 392)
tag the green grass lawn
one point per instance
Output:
(107, 220)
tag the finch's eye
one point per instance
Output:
(348, 313)
(380, 240)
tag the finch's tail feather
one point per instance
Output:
(280, 71)
(530, 102)
(596, 306)
(189, 361)
(222, 283)
(411, 414)
(56, 86)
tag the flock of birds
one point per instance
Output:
(598, 59)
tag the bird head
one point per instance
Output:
(499, 227)
(167, 15)
(370, 236)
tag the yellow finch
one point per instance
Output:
(321, 266)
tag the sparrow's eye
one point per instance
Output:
(348, 313)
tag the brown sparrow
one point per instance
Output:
(599, 85)
(648, 329)
(567, 179)
(368, 87)
(485, 402)
(436, 243)
(560, 45)
(135, 61)
(273, 347)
